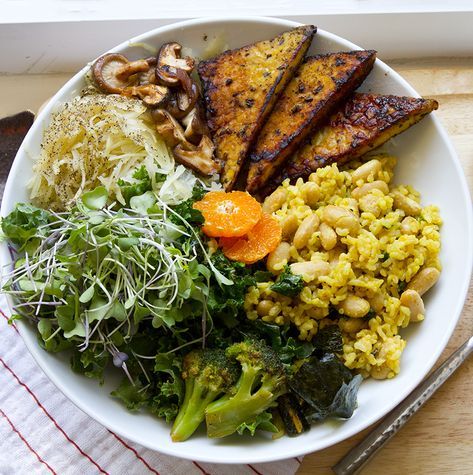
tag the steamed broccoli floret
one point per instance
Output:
(261, 382)
(207, 374)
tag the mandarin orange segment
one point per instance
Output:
(228, 214)
(258, 243)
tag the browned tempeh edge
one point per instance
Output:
(317, 116)
(208, 85)
(388, 130)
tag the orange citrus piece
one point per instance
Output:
(228, 214)
(259, 242)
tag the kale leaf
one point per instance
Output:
(226, 301)
(23, 223)
(134, 396)
(168, 392)
(283, 340)
(327, 387)
(186, 211)
(328, 340)
(90, 363)
(288, 284)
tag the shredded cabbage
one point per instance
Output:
(97, 140)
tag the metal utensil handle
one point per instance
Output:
(356, 458)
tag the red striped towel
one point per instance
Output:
(42, 432)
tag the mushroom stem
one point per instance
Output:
(200, 158)
(124, 72)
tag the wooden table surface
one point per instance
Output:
(439, 438)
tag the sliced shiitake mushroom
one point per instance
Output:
(199, 158)
(112, 72)
(148, 77)
(184, 98)
(195, 124)
(169, 128)
(169, 61)
(152, 95)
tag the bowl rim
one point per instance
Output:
(36, 351)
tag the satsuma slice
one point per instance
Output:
(257, 244)
(228, 214)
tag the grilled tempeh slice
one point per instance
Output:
(320, 84)
(240, 89)
(365, 122)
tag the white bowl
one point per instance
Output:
(427, 161)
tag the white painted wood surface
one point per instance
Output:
(57, 36)
(25, 11)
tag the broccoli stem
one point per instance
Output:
(224, 416)
(192, 411)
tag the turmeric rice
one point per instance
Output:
(364, 247)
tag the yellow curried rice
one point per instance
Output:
(359, 268)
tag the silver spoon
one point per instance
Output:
(356, 458)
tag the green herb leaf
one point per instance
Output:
(401, 286)
(87, 294)
(95, 199)
(141, 184)
(23, 223)
(186, 211)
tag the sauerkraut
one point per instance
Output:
(98, 140)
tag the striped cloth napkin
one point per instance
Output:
(42, 432)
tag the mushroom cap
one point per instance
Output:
(112, 72)
(169, 61)
(148, 77)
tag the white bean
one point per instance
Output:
(369, 204)
(289, 225)
(354, 306)
(306, 229)
(424, 280)
(363, 190)
(351, 325)
(377, 302)
(413, 301)
(328, 237)
(275, 200)
(363, 172)
(406, 204)
(311, 270)
(311, 193)
(278, 258)
(338, 217)
(380, 372)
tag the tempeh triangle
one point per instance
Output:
(365, 122)
(240, 89)
(320, 84)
